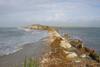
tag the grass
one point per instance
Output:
(30, 63)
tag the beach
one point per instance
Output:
(34, 50)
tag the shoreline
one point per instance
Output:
(29, 50)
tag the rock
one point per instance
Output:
(65, 44)
(71, 55)
(84, 50)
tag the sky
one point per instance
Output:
(68, 13)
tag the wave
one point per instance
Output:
(9, 51)
(12, 38)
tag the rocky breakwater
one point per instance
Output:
(65, 51)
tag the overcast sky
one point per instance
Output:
(82, 13)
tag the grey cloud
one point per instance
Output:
(44, 11)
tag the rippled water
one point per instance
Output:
(11, 39)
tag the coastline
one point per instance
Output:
(34, 50)
(39, 48)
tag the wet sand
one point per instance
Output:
(35, 50)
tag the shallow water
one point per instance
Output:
(11, 39)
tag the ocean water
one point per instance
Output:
(12, 39)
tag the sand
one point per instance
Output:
(35, 50)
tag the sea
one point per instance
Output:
(12, 39)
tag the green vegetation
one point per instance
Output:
(30, 63)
